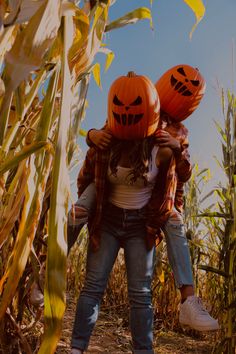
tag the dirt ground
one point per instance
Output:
(112, 336)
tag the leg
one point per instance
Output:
(99, 265)
(192, 312)
(85, 204)
(179, 255)
(139, 264)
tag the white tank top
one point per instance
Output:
(125, 195)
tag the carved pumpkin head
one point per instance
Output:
(180, 90)
(133, 107)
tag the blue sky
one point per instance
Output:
(151, 53)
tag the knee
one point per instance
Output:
(140, 296)
(94, 287)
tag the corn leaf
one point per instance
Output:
(198, 8)
(23, 154)
(13, 205)
(131, 17)
(34, 193)
(96, 74)
(32, 43)
(110, 56)
(83, 132)
(55, 287)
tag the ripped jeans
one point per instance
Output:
(176, 241)
(178, 250)
(127, 229)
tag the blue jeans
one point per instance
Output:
(176, 241)
(119, 228)
(178, 251)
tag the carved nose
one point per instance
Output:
(127, 108)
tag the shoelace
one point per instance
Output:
(198, 305)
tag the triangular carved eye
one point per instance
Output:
(195, 82)
(137, 101)
(173, 80)
(181, 71)
(117, 102)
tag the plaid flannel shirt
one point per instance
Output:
(183, 165)
(159, 206)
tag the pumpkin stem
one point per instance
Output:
(131, 74)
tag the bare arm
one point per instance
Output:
(179, 147)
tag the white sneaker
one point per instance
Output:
(76, 351)
(193, 314)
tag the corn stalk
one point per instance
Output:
(222, 218)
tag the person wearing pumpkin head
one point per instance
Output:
(171, 87)
(131, 179)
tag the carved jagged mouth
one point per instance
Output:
(127, 119)
(180, 87)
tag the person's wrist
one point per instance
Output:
(177, 149)
(89, 137)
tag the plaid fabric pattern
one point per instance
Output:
(183, 164)
(159, 207)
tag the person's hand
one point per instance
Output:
(163, 138)
(100, 138)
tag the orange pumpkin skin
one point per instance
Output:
(133, 107)
(180, 90)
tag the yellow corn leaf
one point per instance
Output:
(7, 37)
(83, 132)
(38, 168)
(85, 55)
(96, 74)
(2, 88)
(27, 9)
(34, 193)
(23, 154)
(7, 99)
(81, 22)
(13, 205)
(110, 56)
(14, 7)
(198, 8)
(55, 287)
(162, 277)
(131, 17)
(32, 43)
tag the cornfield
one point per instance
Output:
(47, 56)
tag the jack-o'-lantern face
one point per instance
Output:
(133, 107)
(180, 90)
(129, 114)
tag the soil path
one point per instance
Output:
(110, 336)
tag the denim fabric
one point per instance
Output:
(178, 251)
(120, 228)
(87, 200)
(177, 245)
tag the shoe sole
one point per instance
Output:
(200, 329)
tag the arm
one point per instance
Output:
(99, 138)
(162, 199)
(177, 140)
(87, 171)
